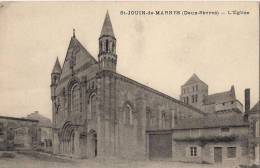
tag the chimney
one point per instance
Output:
(247, 100)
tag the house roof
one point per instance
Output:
(43, 121)
(221, 97)
(57, 67)
(255, 108)
(107, 29)
(211, 121)
(193, 79)
(15, 118)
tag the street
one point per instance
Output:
(27, 161)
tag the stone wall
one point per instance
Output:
(200, 138)
(116, 95)
(10, 139)
(205, 153)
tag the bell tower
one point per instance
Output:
(107, 57)
(55, 77)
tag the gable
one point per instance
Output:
(76, 57)
(194, 79)
(255, 108)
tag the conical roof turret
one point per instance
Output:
(107, 29)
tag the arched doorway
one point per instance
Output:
(67, 139)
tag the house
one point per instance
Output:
(17, 133)
(212, 139)
(44, 131)
(254, 134)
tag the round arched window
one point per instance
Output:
(75, 98)
(128, 114)
(92, 105)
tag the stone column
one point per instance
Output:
(67, 146)
(100, 115)
(55, 142)
(61, 147)
(76, 143)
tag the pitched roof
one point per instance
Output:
(193, 79)
(211, 121)
(15, 118)
(75, 44)
(43, 121)
(107, 28)
(77, 54)
(256, 107)
(221, 97)
(57, 67)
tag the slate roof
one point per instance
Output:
(211, 121)
(255, 108)
(107, 29)
(75, 44)
(82, 56)
(221, 97)
(15, 118)
(57, 67)
(193, 79)
(43, 121)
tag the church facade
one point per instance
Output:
(99, 112)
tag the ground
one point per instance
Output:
(36, 161)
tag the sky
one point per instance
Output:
(159, 51)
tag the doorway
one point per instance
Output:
(218, 154)
(160, 146)
(92, 144)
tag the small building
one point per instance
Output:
(44, 131)
(17, 133)
(212, 139)
(254, 136)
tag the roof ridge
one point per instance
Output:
(193, 79)
(219, 93)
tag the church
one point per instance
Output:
(98, 112)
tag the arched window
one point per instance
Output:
(128, 114)
(196, 98)
(100, 46)
(113, 47)
(92, 105)
(163, 120)
(54, 79)
(106, 45)
(148, 117)
(75, 98)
